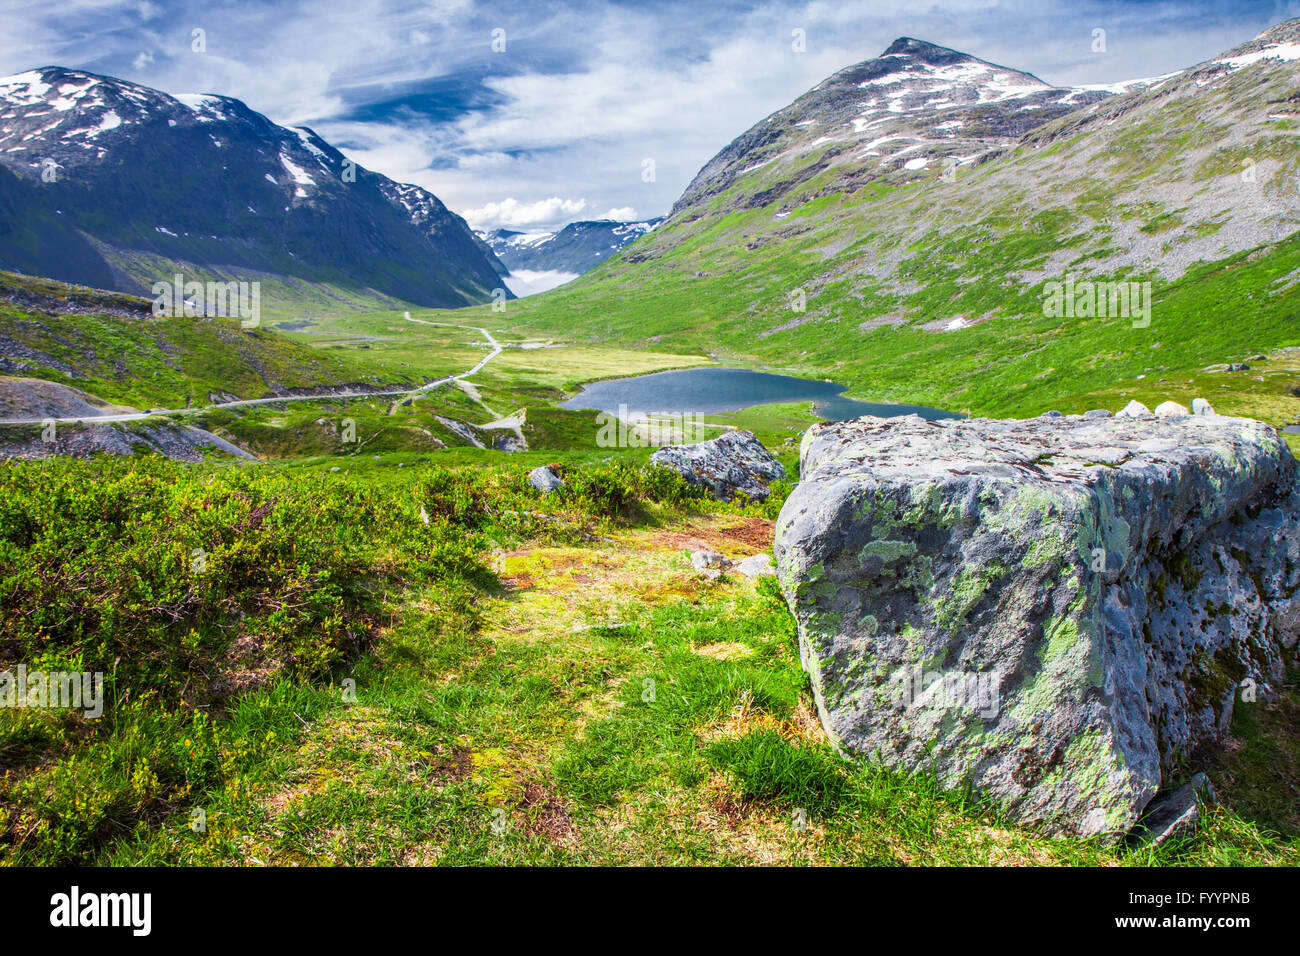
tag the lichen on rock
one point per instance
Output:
(1058, 610)
(733, 462)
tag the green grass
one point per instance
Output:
(149, 362)
(522, 680)
(222, 604)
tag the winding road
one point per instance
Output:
(496, 346)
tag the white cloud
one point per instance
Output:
(142, 60)
(620, 212)
(511, 213)
(527, 282)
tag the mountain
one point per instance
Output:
(916, 106)
(810, 246)
(577, 248)
(139, 184)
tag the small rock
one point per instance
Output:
(1134, 409)
(1238, 367)
(544, 479)
(756, 566)
(1171, 409)
(336, 468)
(1097, 413)
(709, 561)
(1051, 414)
(1177, 814)
(1201, 407)
(710, 564)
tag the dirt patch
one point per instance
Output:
(545, 814)
(244, 667)
(456, 765)
(517, 582)
(675, 590)
(747, 535)
(724, 651)
(802, 726)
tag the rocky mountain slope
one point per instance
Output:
(917, 105)
(577, 248)
(809, 245)
(117, 185)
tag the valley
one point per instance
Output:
(368, 582)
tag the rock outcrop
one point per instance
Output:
(30, 399)
(170, 439)
(1056, 610)
(733, 462)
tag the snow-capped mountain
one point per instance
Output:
(157, 183)
(576, 248)
(916, 106)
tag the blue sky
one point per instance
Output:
(557, 126)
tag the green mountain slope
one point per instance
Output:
(927, 286)
(110, 345)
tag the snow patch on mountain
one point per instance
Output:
(206, 105)
(908, 110)
(298, 175)
(1275, 51)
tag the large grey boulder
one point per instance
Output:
(1056, 610)
(734, 461)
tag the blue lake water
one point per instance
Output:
(707, 391)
